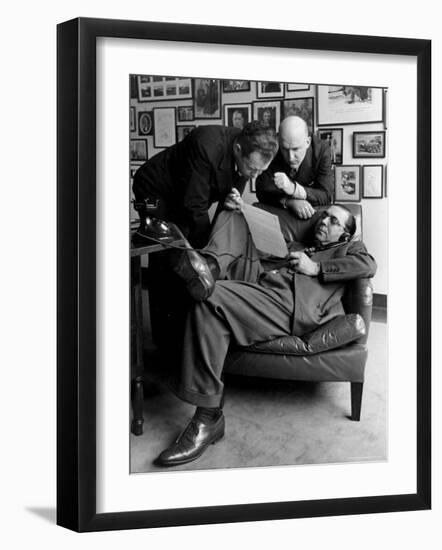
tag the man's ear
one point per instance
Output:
(309, 140)
(237, 148)
(344, 237)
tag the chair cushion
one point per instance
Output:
(336, 333)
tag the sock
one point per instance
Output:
(208, 413)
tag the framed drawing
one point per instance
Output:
(164, 125)
(349, 105)
(182, 131)
(237, 114)
(302, 107)
(185, 113)
(96, 490)
(372, 181)
(297, 87)
(207, 98)
(133, 127)
(145, 123)
(334, 138)
(269, 89)
(236, 86)
(348, 183)
(268, 112)
(369, 144)
(163, 88)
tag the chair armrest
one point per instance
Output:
(358, 298)
(336, 333)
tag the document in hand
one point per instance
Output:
(266, 231)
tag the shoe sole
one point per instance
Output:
(187, 460)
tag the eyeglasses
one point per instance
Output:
(333, 219)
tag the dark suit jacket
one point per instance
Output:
(190, 176)
(314, 174)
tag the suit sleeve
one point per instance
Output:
(356, 264)
(321, 192)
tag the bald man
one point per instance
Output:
(300, 176)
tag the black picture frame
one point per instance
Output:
(185, 113)
(145, 123)
(242, 109)
(132, 120)
(348, 183)
(303, 107)
(330, 134)
(206, 98)
(77, 286)
(371, 147)
(138, 149)
(235, 86)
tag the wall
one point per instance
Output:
(374, 210)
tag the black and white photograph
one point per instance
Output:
(334, 138)
(348, 183)
(236, 86)
(145, 123)
(369, 144)
(237, 115)
(138, 149)
(163, 87)
(259, 185)
(372, 181)
(132, 116)
(297, 87)
(185, 113)
(269, 89)
(349, 105)
(207, 98)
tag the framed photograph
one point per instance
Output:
(96, 488)
(267, 112)
(334, 138)
(237, 114)
(164, 126)
(369, 144)
(182, 131)
(269, 89)
(185, 113)
(236, 86)
(349, 105)
(145, 123)
(297, 87)
(158, 88)
(133, 126)
(207, 98)
(138, 149)
(302, 107)
(348, 183)
(372, 181)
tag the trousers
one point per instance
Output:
(248, 306)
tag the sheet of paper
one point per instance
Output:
(266, 231)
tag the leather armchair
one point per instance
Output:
(337, 351)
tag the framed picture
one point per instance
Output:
(267, 112)
(133, 126)
(372, 181)
(164, 125)
(349, 105)
(297, 87)
(96, 490)
(237, 114)
(165, 88)
(334, 138)
(145, 123)
(369, 144)
(138, 149)
(185, 113)
(236, 86)
(207, 98)
(348, 183)
(182, 131)
(302, 107)
(269, 89)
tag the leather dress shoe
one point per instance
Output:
(195, 272)
(193, 441)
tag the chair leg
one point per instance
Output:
(356, 400)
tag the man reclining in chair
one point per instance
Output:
(255, 301)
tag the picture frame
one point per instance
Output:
(349, 105)
(138, 149)
(335, 138)
(237, 114)
(77, 466)
(206, 98)
(373, 181)
(145, 123)
(164, 121)
(348, 183)
(369, 144)
(290, 87)
(185, 113)
(182, 131)
(163, 88)
(269, 89)
(303, 107)
(268, 112)
(234, 86)
(132, 123)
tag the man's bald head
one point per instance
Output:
(293, 140)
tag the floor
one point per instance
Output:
(271, 422)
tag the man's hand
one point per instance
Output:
(234, 201)
(301, 208)
(301, 263)
(283, 183)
